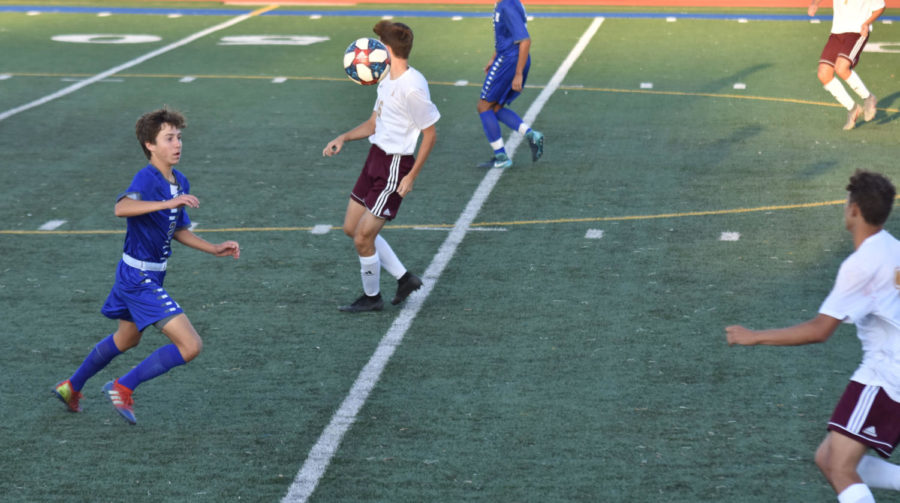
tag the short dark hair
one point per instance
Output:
(874, 194)
(149, 125)
(397, 36)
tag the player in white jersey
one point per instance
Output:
(866, 293)
(850, 29)
(403, 110)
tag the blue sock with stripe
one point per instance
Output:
(492, 130)
(159, 362)
(511, 119)
(99, 357)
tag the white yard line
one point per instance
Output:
(134, 62)
(323, 451)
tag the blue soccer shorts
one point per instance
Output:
(139, 297)
(497, 87)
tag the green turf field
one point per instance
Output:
(572, 348)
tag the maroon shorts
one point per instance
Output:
(843, 45)
(376, 187)
(868, 415)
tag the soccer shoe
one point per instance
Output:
(852, 115)
(67, 395)
(500, 160)
(406, 285)
(120, 397)
(869, 107)
(536, 142)
(364, 303)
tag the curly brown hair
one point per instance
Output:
(874, 194)
(148, 126)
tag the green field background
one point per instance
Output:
(544, 366)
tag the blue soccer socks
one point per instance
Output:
(99, 357)
(492, 130)
(159, 362)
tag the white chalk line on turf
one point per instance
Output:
(324, 449)
(134, 62)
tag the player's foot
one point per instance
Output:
(852, 115)
(869, 107)
(407, 284)
(64, 391)
(536, 142)
(120, 397)
(364, 303)
(500, 160)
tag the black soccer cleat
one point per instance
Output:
(407, 284)
(364, 303)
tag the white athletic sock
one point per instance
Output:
(388, 258)
(524, 128)
(497, 145)
(840, 93)
(857, 85)
(370, 270)
(857, 493)
(879, 473)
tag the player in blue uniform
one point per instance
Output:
(154, 206)
(504, 79)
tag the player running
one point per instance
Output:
(505, 76)
(866, 293)
(403, 109)
(154, 206)
(850, 28)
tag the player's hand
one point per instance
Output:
(489, 65)
(517, 83)
(333, 147)
(189, 200)
(405, 187)
(228, 249)
(736, 334)
(864, 32)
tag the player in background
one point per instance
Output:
(866, 293)
(403, 109)
(850, 28)
(505, 76)
(154, 206)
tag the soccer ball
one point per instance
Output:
(366, 61)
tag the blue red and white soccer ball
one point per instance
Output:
(366, 61)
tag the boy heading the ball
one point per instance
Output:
(866, 293)
(403, 110)
(154, 206)
(504, 79)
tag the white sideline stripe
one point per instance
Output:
(320, 229)
(321, 453)
(730, 236)
(593, 234)
(51, 225)
(124, 66)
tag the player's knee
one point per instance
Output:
(191, 349)
(365, 245)
(823, 459)
(825, 74)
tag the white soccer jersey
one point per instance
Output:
(403, 109)
(849, 15)
(867, 293)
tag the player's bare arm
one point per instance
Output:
(864, 30)
(127, 207)
(490, 63)
(813, 7)
(225, 249)
(524, 49)
(816, 330)
(429, 137)
(364, 130)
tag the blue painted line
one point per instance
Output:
(413, 13)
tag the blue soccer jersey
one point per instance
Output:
(149, 236)
(509, 26)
